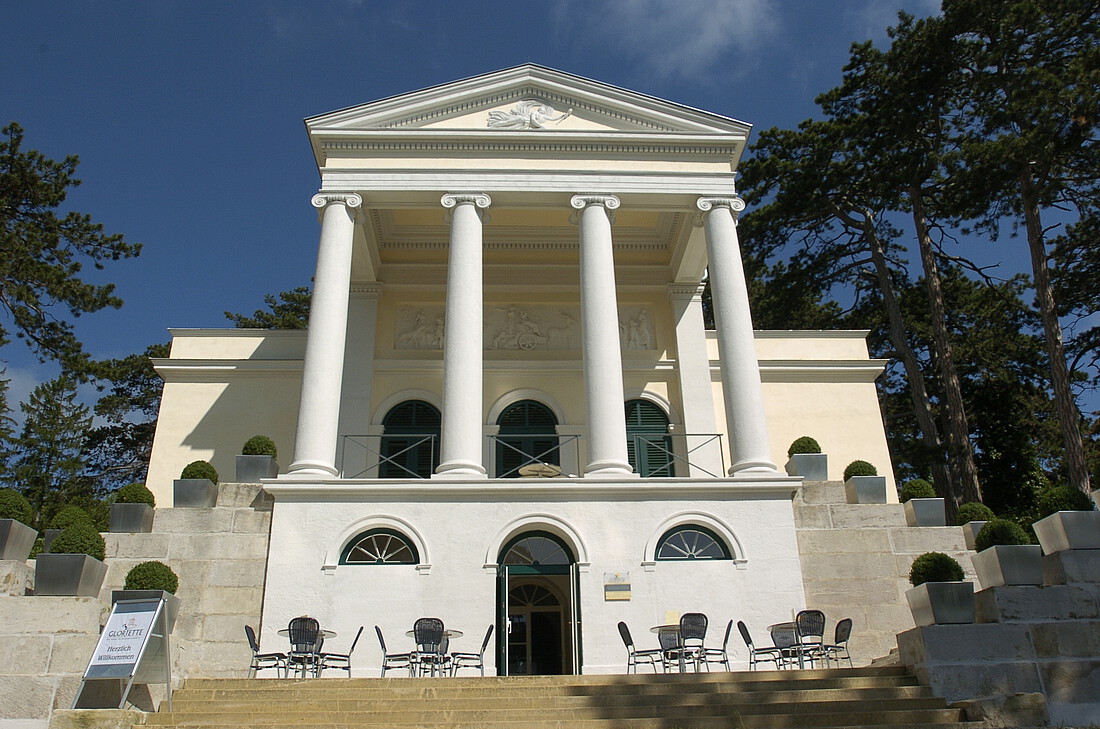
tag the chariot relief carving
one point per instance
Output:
(419, 329)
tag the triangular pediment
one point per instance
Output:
(527, 98)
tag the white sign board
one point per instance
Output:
(123, 640)
(133, 648)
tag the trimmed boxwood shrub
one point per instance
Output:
(918, 488)
(152, 576)
(859, 468)
(1062, 498)
(200, 469)
(1000, 531)
(935, 567)
(68, 516)
(100, 513)
(974, 511)
(80, 538)
(805, 444)
(135, 493)
(259, 445)
(13, 505)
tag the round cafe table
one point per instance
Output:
(285, 632)
(448, 633)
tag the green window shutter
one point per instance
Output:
(647, 431)
(410, 440)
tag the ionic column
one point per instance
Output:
(460, 446)
(602, 355)
(702, 451)
(323, 369)
(744, 398)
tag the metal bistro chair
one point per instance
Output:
(838, 649)
(785, 640)
(758, 655)
(305, 646)
(263, 661)
(693, 631)
(810, 625)
(393, 660)
(718, 655)
(672, 651)
(339, 661)
(428, 657)
(471, 660)
(652, 656)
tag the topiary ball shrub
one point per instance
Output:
(974, 511)
(100, 513)
(259, 445)
(80, 538)
(152, 576)
(1000, 531)
(805, 444)
(859, 468)
(918, 488)
(1062, 498)
(68, 516)
(135, 493)
(200, 469)
(13, 505)
(935, 567)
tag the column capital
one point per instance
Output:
(451, 199)
(580, 202)
(348, 199)
(705, 204)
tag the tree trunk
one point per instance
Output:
(1069, 417)
(960, 451)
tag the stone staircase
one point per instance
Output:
(860, 697)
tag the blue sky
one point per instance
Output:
(187, 116)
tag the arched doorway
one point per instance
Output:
(528, 434)
(539, 614)
(410, 440)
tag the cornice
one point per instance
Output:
(561, 142)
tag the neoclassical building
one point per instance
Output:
(506, 409)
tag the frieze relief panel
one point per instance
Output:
(513, 327)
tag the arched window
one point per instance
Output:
(410, 441)
(380, 546)
(691, 541)
(527, 435)
(536, 549)
(648, 444)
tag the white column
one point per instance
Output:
(460, 446)
(602, 355)
(701, 448)
(744, 397)
(322, 375)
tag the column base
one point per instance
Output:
(311, 470)
(755, 469)
(460, 469)
(610, 469)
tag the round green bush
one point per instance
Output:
(13, 505)
(859, 468)
(935, 567)
(259, 445)
(68, 516)
(80, 538)
(152, 576)
(100, 513)
(918, 488)
(1000, 531)
(1062, 498)
(805, 444)
(200, 469)
(974, 511)
(135, 493)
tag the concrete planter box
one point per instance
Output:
(810, 466)
(925, 513)
(865, 490)
(16, 540)
(941, 603)
(68, 574)
(131, 518)
(1069, 530)
(194, 493)
(171, 602)
(970, 533)
(1009, 564)
(250, 469)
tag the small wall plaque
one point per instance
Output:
(616, 586)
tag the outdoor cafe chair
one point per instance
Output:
(393, 660)
(305, 646)
(672, 651)
(810, 626)
(471, 660)
(652, 656)
(785, 640)
(430, 656)
(340, 661)
(718, 655)
(693, 631)
(263, 661)
(758, 655)
(838, 649)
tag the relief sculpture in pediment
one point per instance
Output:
(526, 115)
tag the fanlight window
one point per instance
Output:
(691, 542)
(380, 546)
(537, 549)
